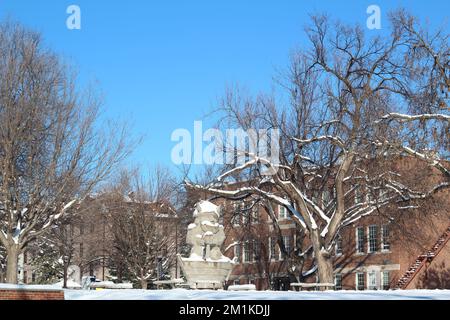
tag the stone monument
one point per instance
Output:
(206, 267)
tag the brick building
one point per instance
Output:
(91, 238)
(390, 248)
(371, 253)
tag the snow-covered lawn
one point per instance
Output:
(183, 294)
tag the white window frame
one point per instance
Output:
(358, 196)
(285, 215)
(357, 237)
(236, 217)
(372, 283)
(255, 215)
(245, 217)
(256, 250)
(287, 239)
(336, 276)
(339, 252)
(237, 252)
(385, 284)
(385, 247)
(326, 197)
(369, 250)
(272, 249)
(357, 282)
(247, 251)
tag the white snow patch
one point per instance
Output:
(206, 206)
(191, 226)
(183, 294)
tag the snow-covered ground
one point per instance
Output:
(183, 294)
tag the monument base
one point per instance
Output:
(206, 274)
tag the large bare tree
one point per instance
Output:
(357, 106)
(53, 149)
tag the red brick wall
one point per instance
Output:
(21, 294)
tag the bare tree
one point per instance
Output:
(53, 150)
(357, 108)
(144, 224)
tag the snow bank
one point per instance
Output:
(70, 284)
(243, 287)
(183, 294)
(7, 286)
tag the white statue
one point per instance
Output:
(206, 234)
(206, 267)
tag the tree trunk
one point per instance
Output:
(65, 272)
(12, 258)
(143, 283)
(324, 267)
(323, 259)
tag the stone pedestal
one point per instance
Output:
(205, 274)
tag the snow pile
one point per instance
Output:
(35, 287)
(183, 294)
(242, 287)
(111, 285)
(70, 284)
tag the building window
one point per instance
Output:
(282, 212)
(326, 197)
(245, 217)
(338, 245)
(255, 214)
(237, 252)
(287, 244)
(235, 220)
(257, 250)
(386, 246)
(338, 281)
(358, 196)
(372, 278)
(237, 282)
(247, 252)
(272, 243)
(33, 276)
(360, 240)
(386, 280)
(373, 232)
(360, 285)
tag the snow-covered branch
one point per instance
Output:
(407, 118)
(335, 140)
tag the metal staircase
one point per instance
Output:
(421, 260)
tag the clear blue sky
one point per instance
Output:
(164, 63)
